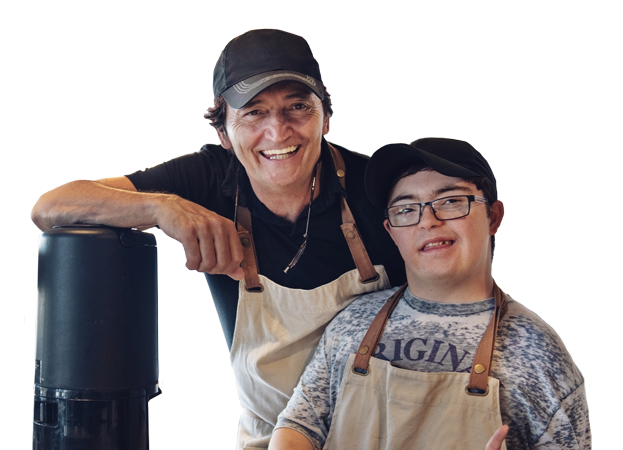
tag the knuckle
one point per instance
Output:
(208, 263)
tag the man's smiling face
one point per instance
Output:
(277, 135)
(449, 251)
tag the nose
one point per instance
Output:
(277, 128)
(427, 218)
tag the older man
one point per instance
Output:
(274, 206)
(453, 357)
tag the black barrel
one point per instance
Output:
(97, 339)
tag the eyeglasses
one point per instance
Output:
(446, 208)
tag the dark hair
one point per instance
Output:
(481, 183)
(218, 112)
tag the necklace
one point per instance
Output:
(304, 245)
(311, 198)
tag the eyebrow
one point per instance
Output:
(436, 193)
(301, 95)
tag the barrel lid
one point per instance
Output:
(127, 236)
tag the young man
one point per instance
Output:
(474, 357)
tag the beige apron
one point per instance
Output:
(278, 329)
(380, 406)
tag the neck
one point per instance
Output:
(448, 290)
(290, 201)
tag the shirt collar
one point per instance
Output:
(447, 309)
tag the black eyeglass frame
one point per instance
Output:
(470, 200)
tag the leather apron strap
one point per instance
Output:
(479, 377)
(249, 258)
(357, 249)
(373, 336)
(349, 227)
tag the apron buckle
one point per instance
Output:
(370, 280)
(477, 392)
(258, 289)
(361, 372)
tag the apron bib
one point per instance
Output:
(278, 329)
(381, 406)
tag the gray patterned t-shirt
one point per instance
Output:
(542, 396)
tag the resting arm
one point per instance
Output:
(210, 241)
(111, 201)
(289, 439)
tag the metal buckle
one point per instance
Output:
(361, 374)
(477, 394)
(256, 290)
(371, 280)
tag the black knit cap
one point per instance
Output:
(258, 59)
(449, 157)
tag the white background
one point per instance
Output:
(526, 58)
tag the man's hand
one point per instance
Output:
(210, 241)
(495, 443)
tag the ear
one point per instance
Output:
(325, 124)
(225, 142)
(388, 227)
(495, 218)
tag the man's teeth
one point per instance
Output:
(437, 244)
(282, 153)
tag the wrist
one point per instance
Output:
(160, 206)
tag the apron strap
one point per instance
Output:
(367, 273)
(249, 259)
(479, 376)
(373, 336)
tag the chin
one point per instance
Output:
(428, 272)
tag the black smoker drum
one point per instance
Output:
(97, 339)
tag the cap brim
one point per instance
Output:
(388, 162)
(241, 93)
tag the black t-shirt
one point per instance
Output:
(209, 178)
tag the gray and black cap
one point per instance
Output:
(449, 157)
(258, 59)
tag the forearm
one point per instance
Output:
(288, 439)
(210, 241)
(93, 202)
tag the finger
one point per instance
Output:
(225, 237)
(235, 248)
(192, 251)
(237, 274)
(209, 254)
(495, 443)
(229, 251)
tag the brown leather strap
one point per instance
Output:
(249, 259)
(367, 273)
(340, 167)
(479, 376)
(373, 336)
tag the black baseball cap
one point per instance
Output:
(449, 157)
(258, 59)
